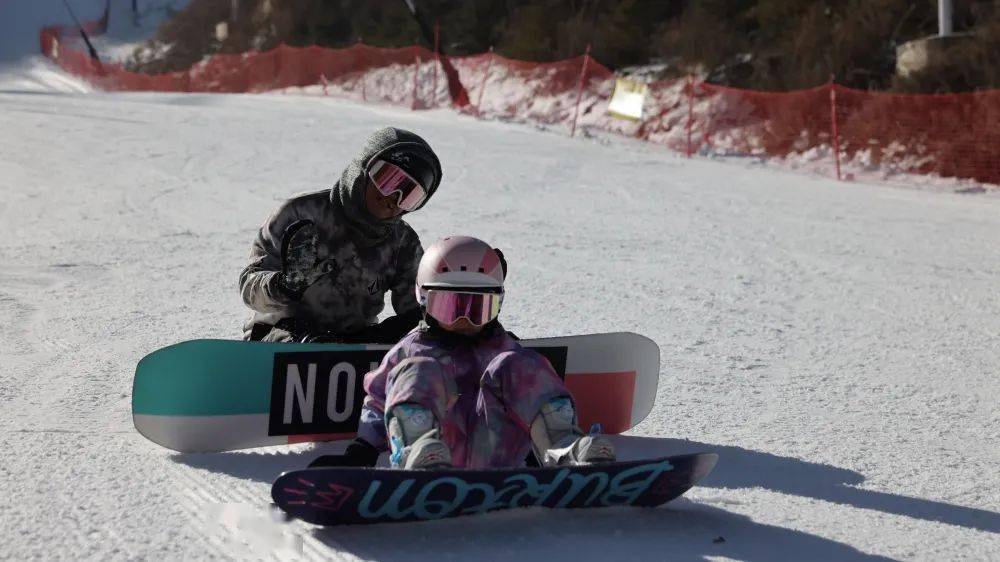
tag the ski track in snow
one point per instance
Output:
(838, 344)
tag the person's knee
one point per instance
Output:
(420, 380)
(506, 363)
(515, 367)
(410, 369)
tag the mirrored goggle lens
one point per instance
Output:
(390, 179)
(449, 306)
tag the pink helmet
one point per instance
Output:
(459, 262)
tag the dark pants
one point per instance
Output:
(287, 330)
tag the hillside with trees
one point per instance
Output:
(755, 44)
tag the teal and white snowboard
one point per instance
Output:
(223, 395)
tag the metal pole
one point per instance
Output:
(690, 122)
(834, 129)
(83, 34)
(944, 18)
(416, 75)
(362, 75)
(437, 60)
(482, 88)
(579, 89)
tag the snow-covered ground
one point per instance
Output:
(838, 344)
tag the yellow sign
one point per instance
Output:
(627, 99)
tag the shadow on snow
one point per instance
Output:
(627, 532)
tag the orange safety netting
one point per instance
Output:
(954, 135)
(951, 135)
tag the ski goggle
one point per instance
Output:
(447, 307)
(390, 179)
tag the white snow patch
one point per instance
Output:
(40, 75)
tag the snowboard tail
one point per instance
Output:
(222, 395)
(352, 496)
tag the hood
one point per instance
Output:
(349, 192)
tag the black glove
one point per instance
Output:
(388, 331)
(393, 328)
(358, 453)
(300, 265)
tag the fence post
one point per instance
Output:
(579, 89)
(322, 77)
(690, 121)
(437, 59)
(364, 74)
(482, 87)
(834, 130)
(416, 73)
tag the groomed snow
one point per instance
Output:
(838, 344)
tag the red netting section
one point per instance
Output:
(826, 128)
(956, 135)
(397, 76)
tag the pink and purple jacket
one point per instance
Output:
(484, 391)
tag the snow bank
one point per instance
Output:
(38, 74)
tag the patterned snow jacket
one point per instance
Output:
(485, 390)
(368, 256)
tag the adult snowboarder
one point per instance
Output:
(459, 390)
(321, 264)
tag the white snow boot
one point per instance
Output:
(557, 440)
(414, 438)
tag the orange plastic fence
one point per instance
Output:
(956, 135)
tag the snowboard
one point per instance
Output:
(224, 395)
(351, 496)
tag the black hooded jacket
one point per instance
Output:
(368, 256)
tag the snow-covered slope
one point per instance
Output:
(24, 69)
(837, 344)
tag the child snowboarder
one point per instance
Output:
(459, 390)
(322, 263)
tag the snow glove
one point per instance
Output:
(358, 453)
(300, 265)
(392, 329)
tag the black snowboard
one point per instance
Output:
(346, 496)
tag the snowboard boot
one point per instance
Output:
(557, 441)
(414, 437)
